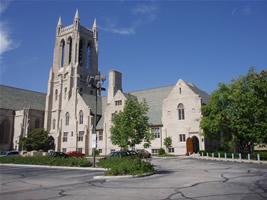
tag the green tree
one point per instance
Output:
(237, 112)
(38, 139)
(131, 127)
(167, 142)
(215, 121)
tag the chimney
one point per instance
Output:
(114, 84)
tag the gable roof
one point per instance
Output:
(16, 99)
(203, 95)
(90, 100)
(154, 98)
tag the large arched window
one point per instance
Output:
(54, 123)
(81, 53)
(180, 109)
(37, 123)
(81, 117)
(62, 48)
(56, 93)
(70, 48)
(4, 131)
(67, 119)
(88, 56)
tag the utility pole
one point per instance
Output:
(96, 83)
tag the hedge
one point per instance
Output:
(46, 160)
(126, 166)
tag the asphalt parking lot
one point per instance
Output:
(177, 178)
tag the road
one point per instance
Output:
(177, 178)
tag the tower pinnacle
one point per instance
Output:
(76, 14)
(94, 24)
(59, 23)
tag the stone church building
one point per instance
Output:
(67, 112)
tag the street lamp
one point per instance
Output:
(96, 83)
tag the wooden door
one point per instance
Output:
(189, 146)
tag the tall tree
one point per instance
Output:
(131, 127)
(237, 112)
(38, 139)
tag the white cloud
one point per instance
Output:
(6, 41)
(145, 9)
(142, 14)
(3, 5)
(245, 10)
(119, 30)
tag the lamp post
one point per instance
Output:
(96, 83)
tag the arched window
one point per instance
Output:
(180, 109)
(65, 92)
(4, 131)
(56, 93)
(54, 123)
(67, 119)
(81, 53)
(81, 117)
(37, 123)
(62, 46)
(88, 56)
(70, 48)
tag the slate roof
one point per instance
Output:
(90, 100)
(100, 124)
(154, 98)
(204, 95)
(16, 99)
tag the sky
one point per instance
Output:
(153, 43)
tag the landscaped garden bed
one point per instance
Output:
(126, 166)
(46, 160)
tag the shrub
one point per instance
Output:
(162, 152)
(46, 160)
(263, 155)
(96, 153)
(125, 166)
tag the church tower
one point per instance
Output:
(75, 58)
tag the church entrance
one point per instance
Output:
(192, 145)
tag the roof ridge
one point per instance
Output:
(12, 87)
(152, 88)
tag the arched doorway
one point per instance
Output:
(195, 144)
(192, 145)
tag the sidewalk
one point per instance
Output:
(55, 167)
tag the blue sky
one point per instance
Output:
(153, 43)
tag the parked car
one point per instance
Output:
(119, 154)
(9, 153)
(143, 153)
(75, 154)
(57, 154)
(132, 153)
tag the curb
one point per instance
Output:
(123, 177)
(55, 167)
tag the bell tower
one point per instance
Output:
(75, 58)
